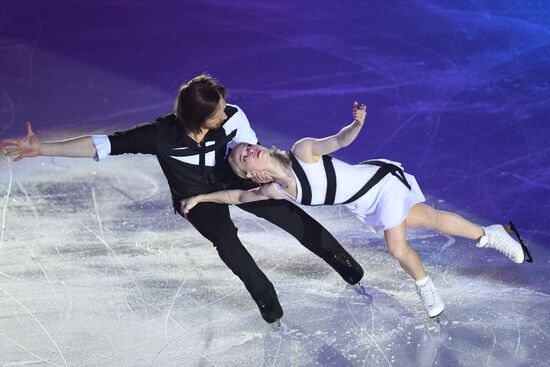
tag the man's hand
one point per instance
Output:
(359, 113)
(29, 146)
(263, 177)
(188, 203)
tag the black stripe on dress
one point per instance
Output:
(306, 188)
(331, 180)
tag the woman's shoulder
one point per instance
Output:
(302, 150)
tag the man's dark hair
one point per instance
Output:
(197, 100)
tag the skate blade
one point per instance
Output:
(434, 325)
(275, 325)
(511, 228)
(361, 291)
(437, 318)
(280, 328)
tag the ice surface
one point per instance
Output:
(97, 271)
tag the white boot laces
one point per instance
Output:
(499, 243)
(427, 295)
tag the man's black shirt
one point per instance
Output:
(191, 168)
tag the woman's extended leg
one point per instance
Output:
(422, 215)
(399, 248)
(495, 236)
(410, 261)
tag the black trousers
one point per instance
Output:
(214, 223)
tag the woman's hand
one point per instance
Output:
(29, 146)
(359, 113)
(188, 203)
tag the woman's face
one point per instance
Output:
(251, 158)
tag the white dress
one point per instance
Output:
(384, 206)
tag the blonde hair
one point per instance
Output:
(239, 172)
(280, 156)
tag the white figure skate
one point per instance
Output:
(497, 238)
(433, 305)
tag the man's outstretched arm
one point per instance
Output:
(31, 146)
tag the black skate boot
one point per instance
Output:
(346, 266)
(269, 306)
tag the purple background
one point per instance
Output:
(456, 91)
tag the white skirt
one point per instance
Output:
(388, 203)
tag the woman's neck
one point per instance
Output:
(283, 176)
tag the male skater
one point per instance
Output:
(191, 146)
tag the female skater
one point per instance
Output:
(379, 192)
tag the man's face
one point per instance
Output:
(217, 118)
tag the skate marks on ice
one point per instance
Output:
(95, 269)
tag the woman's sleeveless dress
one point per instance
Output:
(382, 202)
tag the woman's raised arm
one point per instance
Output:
(309, 149)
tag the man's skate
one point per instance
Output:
(346, 266)
(269, 306)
